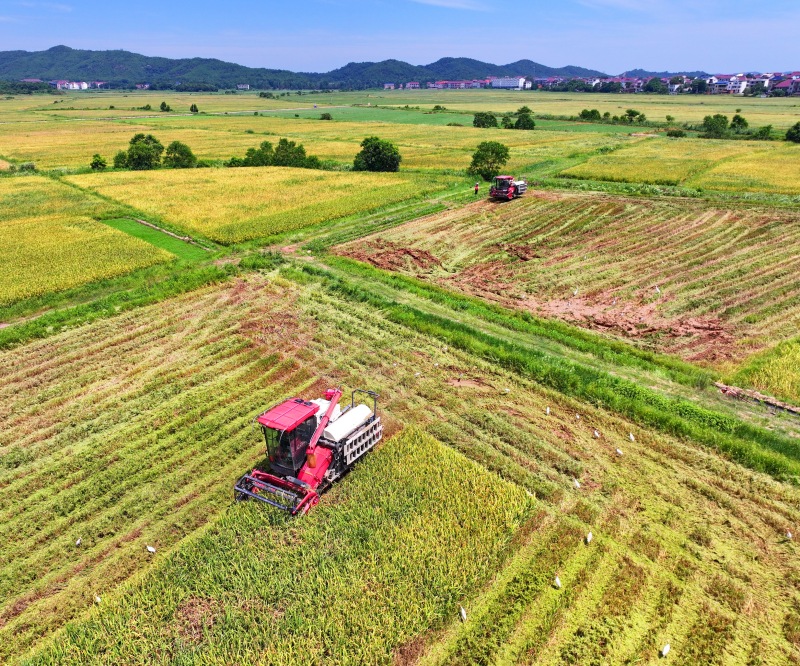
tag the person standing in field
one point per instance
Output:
(477, 187)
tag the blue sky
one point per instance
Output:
(320, 35)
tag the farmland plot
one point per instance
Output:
(48, 236)
(685, 277)
(110, 446)
(235, 205)
(727, 166)
(72, 144)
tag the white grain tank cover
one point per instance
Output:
(323, 407)
(347, 423)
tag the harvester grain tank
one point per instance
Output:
(310, 444)
(505, 188)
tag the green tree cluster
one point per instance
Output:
(793, 133)
(489, 159)
(484, 119)
(377, 155)
(286, 153)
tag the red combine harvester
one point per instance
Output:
(506, 188)
(310, 445)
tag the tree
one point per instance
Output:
(739, 124)
(631, 115)
(489, 159)
(590, 115)
(507, 122)
(676, 81)
(524, 122)
(524, 109)
(193, 109)
(377, 155)
(763, 133)
(715, 126)
(290, 154)
(165, 107)
(669, 119)
(121, 160)
(97, 163)
(484, 119)
(144, 152)
(699, 87)
(656, 86)
(326, 116)
(179, 156)
(793, 133)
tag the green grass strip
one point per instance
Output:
(751, 446)
(181, 249)
(573, 337)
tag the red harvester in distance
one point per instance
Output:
(506, 188)
(310, 445)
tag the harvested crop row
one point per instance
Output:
(200, 397)
(699, 281)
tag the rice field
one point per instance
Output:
(694, 162)
(49, 237)
(683, 277)
(235, 205)
(775, 169)
(682, 538)
(776, 372)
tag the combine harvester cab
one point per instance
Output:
(505, 188)
(310, 444)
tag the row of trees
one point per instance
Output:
(145, 153)
(286, 153)
(629, 117)
(524, 120)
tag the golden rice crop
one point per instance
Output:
(661, 161)
(63, 144)
(233, 205)
(776, 371)
(772, 168)
(52, 244)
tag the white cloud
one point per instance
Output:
(470, 5)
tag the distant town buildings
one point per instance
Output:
(243, 86)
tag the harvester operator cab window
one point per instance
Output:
(500, 184)
(287, 449)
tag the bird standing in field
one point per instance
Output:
(547, 411)
(151, 549)
(658, 291)
(462, 613)
(576, 483)
(665, 650)
(97, 599)
(78, 542)
(789, 535)
(596, 434)
(631, 437)
(575, 293)
(589, 538)
(619, 452)
(557, 582)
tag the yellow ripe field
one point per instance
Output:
(72, 144)
(234, 205)
(662, 161)
(48, 238)
(772, 168)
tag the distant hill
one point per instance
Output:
(123, 69)
(644, 74)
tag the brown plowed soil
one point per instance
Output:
(392, 257)
(709, 337)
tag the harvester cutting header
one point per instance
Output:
(310, 445)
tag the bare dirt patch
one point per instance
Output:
(393, 257)
(194, 617)
(410, 652)
(466, 382)
(696, 338)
